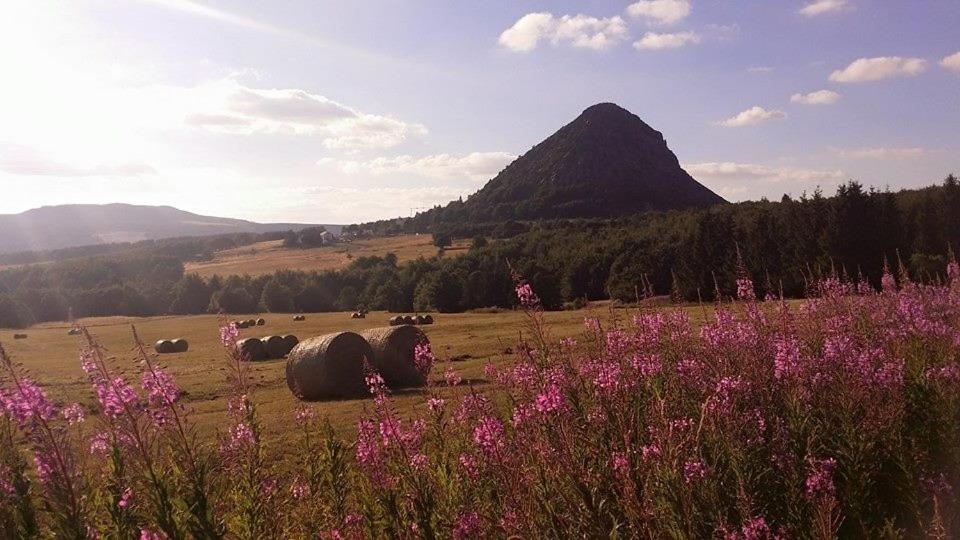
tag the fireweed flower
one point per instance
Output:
(100, 444)
(147, 534)
(470, 466)
(451, 377)
(300, 490)
(229, 335)
(550, 400)
(126, 499)
(528, 299)
(488, 435)
(745, 290)
(819, 481)
(303, 415)
(468, 525)
(73, 414)
(423, 358)
(694, 470)
(435, 404)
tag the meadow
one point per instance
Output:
(267, 257)
(834, 417)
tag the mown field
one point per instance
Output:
(267, 257)
(469, 339)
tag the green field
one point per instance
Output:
(471, 339)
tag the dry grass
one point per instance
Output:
(267, 257)
(472, 339)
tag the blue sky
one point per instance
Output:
(349, 111)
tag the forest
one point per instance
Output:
(691, 255)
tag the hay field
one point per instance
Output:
(471, 339)
(266, 257)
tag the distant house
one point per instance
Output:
(329, 238)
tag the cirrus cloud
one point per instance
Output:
(820, 7)
(476, 166)
(660, 11)
(580, 31)
(654, 41)
(879, 68)
(883, 152)
(820, 97)
(753, 116)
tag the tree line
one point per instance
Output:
(690, 255)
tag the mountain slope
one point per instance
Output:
(54, 227)
(605, 163)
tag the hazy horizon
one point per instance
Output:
(300, 112)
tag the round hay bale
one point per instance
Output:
(274, 346)
(240, 324)
(74, 332)
(428, 319)
(261, 322)
(251, 349)
(419, 319)
(164, 346)
(180, 345)
(328, 367)
(395, 320)
(354, 315)
(393, 351)
(251, 322)
(289, 342)
(408, 319)
(299, 317)
(19, 336)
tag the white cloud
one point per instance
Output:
(952, 62)
(753, 116)
(19, 160)
(883, 152)
(226, 106)
(355, 205)
(742, 181)
(819, 7)
(660, 11)
(476, 166)
(876, 69)
(655, 41)
(580, 31)
(760, 69)
(820, 97)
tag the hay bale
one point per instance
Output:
(395, 320)
(289, 342)
(393, 349)
(274, 347)
(74, 332)
(251, 349)
(428, 319)
(251, 322)
(19, 336)
(419, 319)
(408, 319)
(180, 345)
(241, 324)
(164, 346)
(299, 317)
(354, 315)
(328, 367)
(261, 322)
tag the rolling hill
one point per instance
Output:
(54, 227)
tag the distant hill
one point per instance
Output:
(55, 227)
(606, 163)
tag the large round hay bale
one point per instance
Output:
(261, 322)
(180, 345)
(395, 320)
(419, 319)
(274, 346)
(408, 319)
(329, 367)
(289, 342)
(164, 346)
(393, 350)
(428, 319)
(251, 349)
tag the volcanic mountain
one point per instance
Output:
(605, 163)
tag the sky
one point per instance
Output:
(342, 112)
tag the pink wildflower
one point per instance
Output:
(126, 499)
(451, 377)
(489, 435)
(73, 414)
(694, 470)
(300, 490)
(468, 525)
(229, 335)
(820, 477)
(551, 400)
(423, 358)
(528, 299)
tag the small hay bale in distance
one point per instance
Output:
(408, 319)
(164, 346)
(251, 322)
(240, 324)
(395, 320)
(180, 345)
(274, 347)
(289, 342)
(393, 354)
(261, 322)
(329, 367)
(419, 319)
(19, 336)
(299, 317)
(74, 332)
(428, 319)
(251, 349)
(354, 315)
